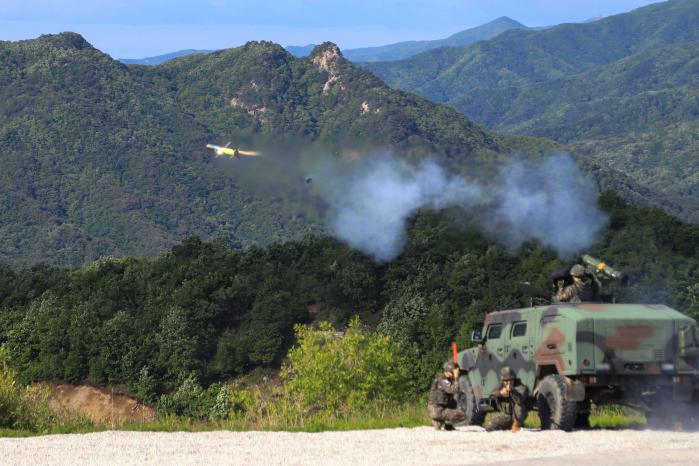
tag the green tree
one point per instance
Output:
(338, 372)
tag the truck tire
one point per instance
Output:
(555, 412)
(582, 419)
(468, 403)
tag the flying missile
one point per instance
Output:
(225, 151)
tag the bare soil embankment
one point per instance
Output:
(418, 446)
(100, 405)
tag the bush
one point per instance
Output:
(191, 401)
(332, 372)
(146, 386)
(22, 407)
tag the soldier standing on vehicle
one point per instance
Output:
(442, 405)
(510, 399)
(581, 290)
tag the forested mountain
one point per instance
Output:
(407, 49)
(99, 158)
(640, 115)
(621, 91)
(395, 51)
(520, 57)
(207, 310)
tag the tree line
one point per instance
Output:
(207, 311)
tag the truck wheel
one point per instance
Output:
(555, 412)
(582, 419)
(468, 403)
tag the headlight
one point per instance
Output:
(667, 367)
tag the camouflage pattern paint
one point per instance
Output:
(627, 346)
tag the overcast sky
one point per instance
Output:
(141, 28)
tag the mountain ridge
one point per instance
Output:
(400, 50)
(632, 107)
(100, 158)
(393, 51)
(518, 57)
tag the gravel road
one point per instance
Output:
(418, 446)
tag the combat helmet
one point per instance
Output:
(577, 271)
(506, 373)
(449, 366)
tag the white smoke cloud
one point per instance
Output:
(551, 202)
(373, 203)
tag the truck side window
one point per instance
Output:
(494, 331)
(519, 329)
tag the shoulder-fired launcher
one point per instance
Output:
(601, 270)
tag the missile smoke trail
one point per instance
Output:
(550, 201)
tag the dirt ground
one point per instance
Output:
(400, 447)
(100, 405)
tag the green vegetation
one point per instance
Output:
(205, 312)
(26, 408)
(519, 57)
(638, 115)
(621, 92)
(98, 158)
(360, 380)
(605, 417)
(334, 373)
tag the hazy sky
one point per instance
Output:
(140, 28)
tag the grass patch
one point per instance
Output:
(604, 417)
(616, 417)
(373, 417)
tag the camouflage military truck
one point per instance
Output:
(572, 355)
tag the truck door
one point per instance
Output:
(485, 375)
(497, 340)
(519, 347)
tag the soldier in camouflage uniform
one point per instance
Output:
(441, 405)
(510, 399)
(581, 290)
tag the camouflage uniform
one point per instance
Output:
(441, 404)
(577, 292)
(511, 407)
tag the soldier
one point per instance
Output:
(510, 399)
(581, 290)
(441, 405)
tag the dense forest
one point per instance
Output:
(211, 311)
(99, 158)
(621, 91)
(132, 257)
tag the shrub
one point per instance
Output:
(332, 372)
(146, 386)
(22, 407)
(191, 401)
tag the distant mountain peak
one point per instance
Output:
(506, 19)
(328, 58)
(326, 49)
(66, 40)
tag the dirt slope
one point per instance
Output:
(100, 405)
